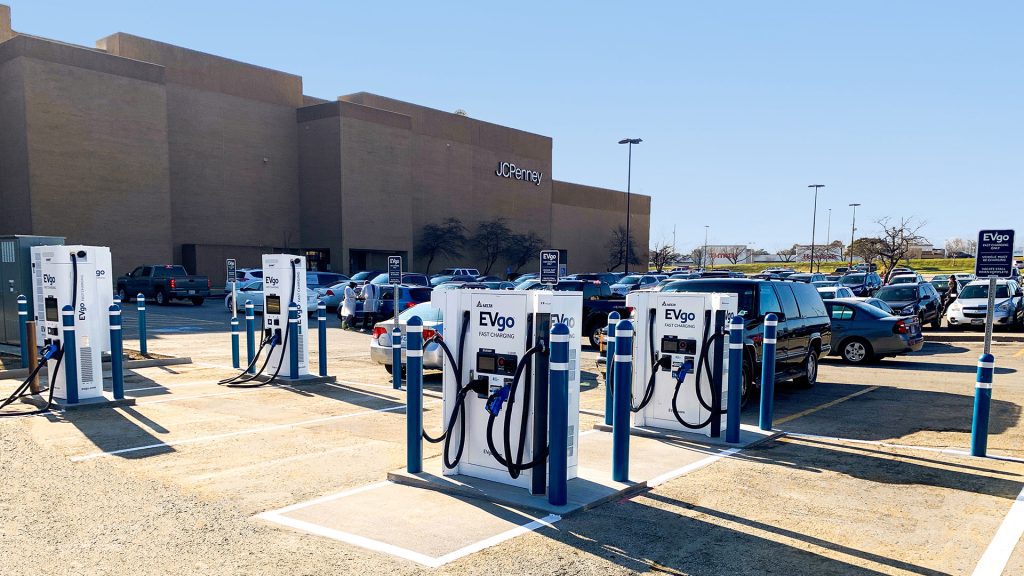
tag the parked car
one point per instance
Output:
(438, 280)
(163, 283)
(408, 297)
(316, 280)
(841, 270)
(941, 283)
(608, 278)
(804, 330)
(459, 272)
(880, 304)
(862, 283)
(634, 282)
(832, 292)
(864, 333)
(778, 270)
(906, 279)
(896, 272)
(971, 304)
(865, 267)
(809, 277)
(251, 291)
(763, 276)
(246, 275)
(525, 278)
(408, 278)
(920, 299)
(598, 302)
(380, 342)
(964, 276)
(332, 295)
(825, 284)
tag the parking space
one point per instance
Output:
(872, 479)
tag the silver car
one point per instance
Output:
(433, 355)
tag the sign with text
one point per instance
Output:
(394, 269)
(549, 267)
(232, 270)
(995, 254)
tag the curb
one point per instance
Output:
(979, 338)
(128, 364)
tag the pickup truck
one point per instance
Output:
(598, 303)
(163, 283)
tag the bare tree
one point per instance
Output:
(868, 249)
(663, 255)
(618, 247)
(445, 240)
(734, 256)
(697, 255)
(788, 254)
(522, 248)
(955, 246)
(896, 238)
(492, 238)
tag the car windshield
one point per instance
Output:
(903, 280)
(898, 293)
(424, 310)
(570, 286)
(852, 280)
(363, 276)
(630, 280)
(825, 284)
(981, 291)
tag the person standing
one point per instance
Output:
(348, 307)
(951, 293)
(371, 304)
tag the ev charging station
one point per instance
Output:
(496, 382)
(66, 276)
(104, 285)
(284, 282)
(677, 364)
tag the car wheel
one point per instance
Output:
(856, 351)
(810, 377)
(123, 296)
(391, 370)
(748, 389)
(198, 300)
(937, 322)
(160, 298)
(227, 303)
(594, 335)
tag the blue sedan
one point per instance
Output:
(862, 333)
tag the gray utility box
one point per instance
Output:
(16, 279)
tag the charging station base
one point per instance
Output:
(307, 379)
(748, 434)
(105, 401)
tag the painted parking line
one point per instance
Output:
(278, 516)
(672, 475)
(830, 404)
(996, 556)
(882, 444)
(236, 433)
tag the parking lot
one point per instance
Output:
(871, 475)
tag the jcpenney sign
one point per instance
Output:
(509, 170)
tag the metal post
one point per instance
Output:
(629, 181)
(732, 414)
(990, 313)
(23, 330)
(558, 416)
(34, 358)
(716, 376)
(140, 300)
(117, 352)
(234, 343)
(70, 347)
(293, 344)
(853, 230)
(396, 358)
(624, 385)
(609, 367)
(250, 335)
(982, 403)
(414, 395)
(771, 323)
(321, 329)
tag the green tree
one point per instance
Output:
(445, 240)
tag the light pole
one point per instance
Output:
(629, 178)
(814, 220)
(704, 255)
(853, 230)
(828, 239)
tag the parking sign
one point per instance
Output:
(232, 271)
(394, 269)
(549, 267)
(995, 254)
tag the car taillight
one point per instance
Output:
(428, 334)
(209, 283)
(379, 331)
(410, 304)
(900, 327)
(172, 283)
(329, 293)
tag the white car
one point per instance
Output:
(906, 279)
(251, 291)
(971, 304)
(833, 292)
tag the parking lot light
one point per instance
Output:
(814, 221)
(629, 178)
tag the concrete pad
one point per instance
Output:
(105, 401)
(424, 526)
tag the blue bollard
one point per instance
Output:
(141, 307)
(250, 335)
(293, 341)
(23, 330)
(982, 403)
(732, 409)
(396, 359)
(234, 343)
(623, 387)
(70, 347)
(321, 330)
(558, 416)
(414, 394)
(609, 362)
(771, 324)
(116, 352)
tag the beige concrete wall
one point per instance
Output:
(6, 33)
(583, 218)
(320, 180)
(15, 201)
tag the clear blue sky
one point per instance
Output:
(912, 108)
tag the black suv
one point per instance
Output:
(804, 332)
(920, 299)
(862, 283)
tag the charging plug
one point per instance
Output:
(495, 401)
(683, 369)
(49, 352)
(480, 386)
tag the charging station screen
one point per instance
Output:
(51, 309)
(272, 305)
(485, 364)
(670, 345)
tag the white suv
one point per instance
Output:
(970, 305)
(460, 272)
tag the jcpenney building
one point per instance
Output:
(170, 155)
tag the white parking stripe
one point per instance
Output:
(994, 560)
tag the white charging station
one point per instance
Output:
(67, 276)
(672, 330)
(104, 284)
(284, 281)
(499, 327)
